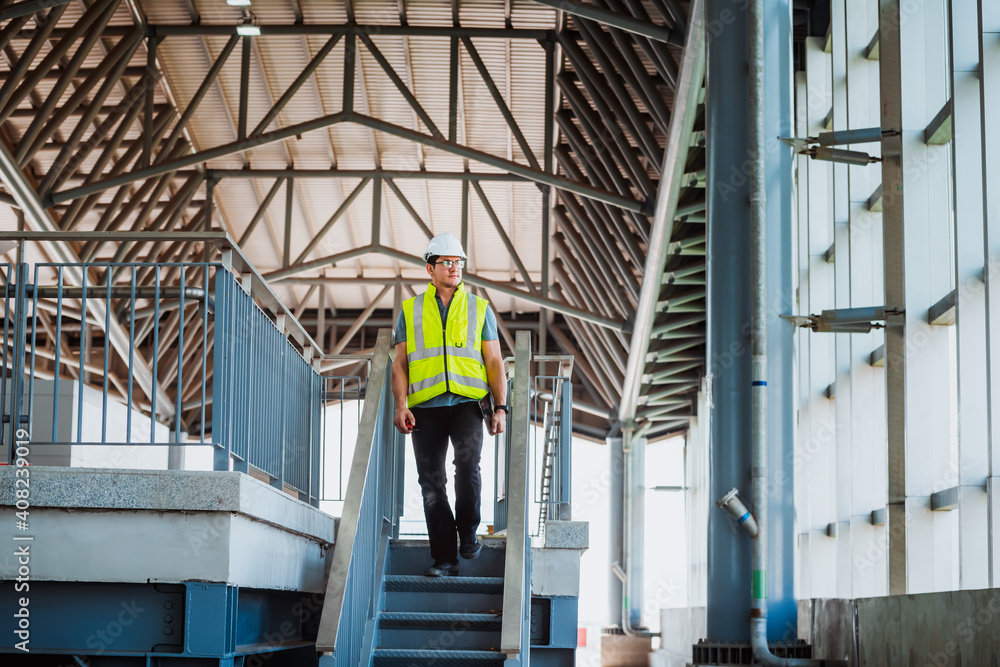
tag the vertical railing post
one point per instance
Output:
(17, 368)
(8, 413)
(221, 360)
(566, 452)
(516, 595)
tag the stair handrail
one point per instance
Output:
(514, 639)
(370, 517)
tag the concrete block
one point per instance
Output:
(555, 572)
(137, 526)
(133, 546)
(832, 630)
(567, 535)
(169, 490)
(680, 628)
(879, 639)
(805, 620)
(625, 651)
(950, 629)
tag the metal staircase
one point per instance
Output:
(379, 609)
(442, 621)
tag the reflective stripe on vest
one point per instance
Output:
(440, 361)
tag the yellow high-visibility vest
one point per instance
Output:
(442, 359)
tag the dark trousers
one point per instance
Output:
(463, 423)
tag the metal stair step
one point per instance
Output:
(411, 657)
(434, 620)
(410, 583)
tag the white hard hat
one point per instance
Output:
(446, 245)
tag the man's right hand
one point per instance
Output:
(404, 421)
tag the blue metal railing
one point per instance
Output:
(158, 353)
(267, 406)
(370, 518)
(552, 406)
(339, 391)
(550, 438)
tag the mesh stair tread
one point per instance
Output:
(415, 583)
(407, 657)
(414, 619)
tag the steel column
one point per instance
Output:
(727, 133)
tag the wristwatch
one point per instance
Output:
(501, 407)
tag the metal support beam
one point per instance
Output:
(503, 288)
(535, 175)
(681, 125)
(296, 85)
(360, 321)
(616, 20)
(261, 210)
(20, 9)
(341, 210)
(231, 148)
(504, 238)
(500, 103)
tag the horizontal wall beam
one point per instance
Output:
(943, 312)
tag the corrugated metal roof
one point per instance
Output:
(612, 247)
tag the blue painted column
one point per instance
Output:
(728, 344)
(779, 120)
(728, 215)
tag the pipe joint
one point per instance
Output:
(731, 503)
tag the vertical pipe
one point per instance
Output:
(635, 517)
(758, 330)
(759, 345)
(729, 304)
(616, 540)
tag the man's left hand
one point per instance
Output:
(499, 422)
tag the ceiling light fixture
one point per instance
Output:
(238, 3)
(248, 27)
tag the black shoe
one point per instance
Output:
(470, 547)
(442, 570)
